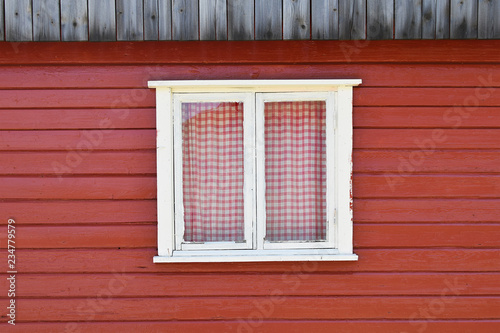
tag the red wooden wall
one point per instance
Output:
(77, 173)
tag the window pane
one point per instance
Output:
(295, 163)
(212, 151)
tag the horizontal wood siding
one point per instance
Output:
(131, 20)
(78, 174)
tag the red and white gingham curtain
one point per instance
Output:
(295, 164)
(295, 140)
(212, 136)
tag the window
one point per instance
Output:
(256, 170)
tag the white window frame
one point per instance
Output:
(338, 96)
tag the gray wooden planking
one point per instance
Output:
(74, 20)
(184, 20)
(2, 32)
(268, 19)
(213, 20)
(325, 19)
(102, 20)
(18, 20)
(46, 20)
(151, 31)
(463, 19)
(488, 19)
(379, 17)
(129, 20)
(352, 19)
(435, 19)
(165, 19)
(240, 20)
(408, 15)
(296, 19)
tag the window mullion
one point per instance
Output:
(261, 176)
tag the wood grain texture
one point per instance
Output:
(74, 20)
(463, 19)
(352, 19)
(268, 19)
(435, 19)
(102, 20)
(151, 20)
(488, 19)
(240, 20)
(129, 20)
(2, 21)
(46, 20)
(18, 20)
(449, 52)
(325, 19)
(165, 20)
(296, 19)
(271, 326)
(185, 20)
(380, 19)
(408, 19)
(213, 20)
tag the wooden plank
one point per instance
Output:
(373, 75)
(151, 20)
(426, 235)
(28, 119)
(70, 188)
(18, 20)
(427, 210)
(2, 21)
(398, 235)
(240, 20)
(74, 20)
(426, 186)
(463, 99)
(438, 162)
(92, 98)
(352, 19)
(463, 19)
(379, 19)
(323, 326)
(268, 19)
(428, 138)
(296, 19)
(185, 20)
(232, 308)
(165, 20)
(78, 140)
(129, 20)
(95, 162)
(408, 15)
(213, 20)
(325, 19)
(263, 52)
(234, 284)
(140, 260)
(435, 19)
(46, 20)
(424, 117)
(489, 19)
(70, 237)
(102, 20)
(80, 211)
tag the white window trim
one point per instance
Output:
(341, 248)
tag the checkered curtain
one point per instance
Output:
(295, 148)
(212, 135)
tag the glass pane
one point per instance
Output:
(212, 152)
(295, 163)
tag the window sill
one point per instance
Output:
(255, 256)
